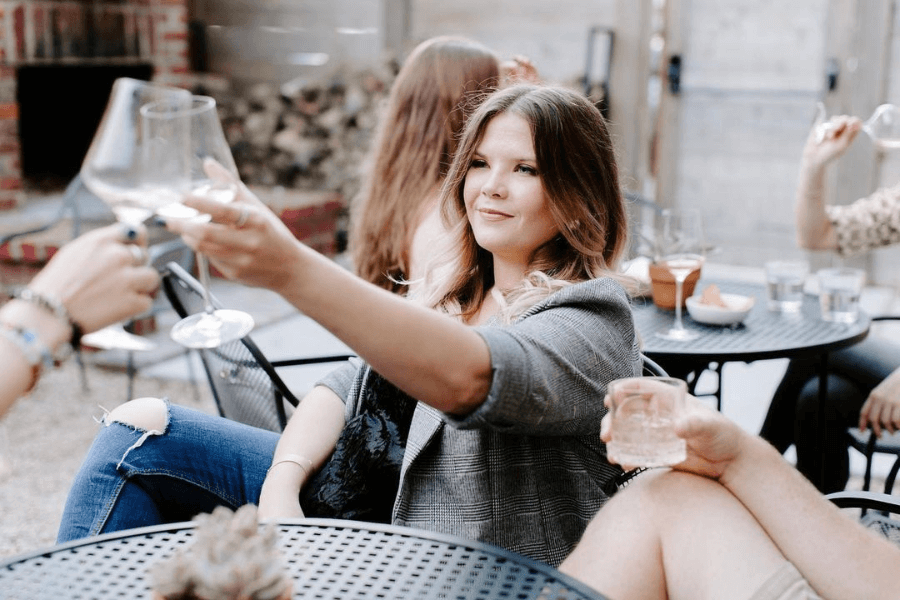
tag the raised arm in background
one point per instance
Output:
(814, 229)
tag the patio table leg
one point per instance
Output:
(821, 414)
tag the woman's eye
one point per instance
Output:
(477, 163)
(527, 170)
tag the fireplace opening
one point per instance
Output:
(60, 107)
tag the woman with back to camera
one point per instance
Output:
(394, 222)
(496, 375)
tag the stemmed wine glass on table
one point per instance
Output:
(682, 239)
(181, 141)
(113, 169)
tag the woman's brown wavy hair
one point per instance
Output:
(577, 165)
(415, 143)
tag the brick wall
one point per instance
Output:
(56, 31)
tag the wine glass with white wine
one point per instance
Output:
(180, 143)
(113, 169)
(682, 237)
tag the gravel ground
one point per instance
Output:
(47, 435)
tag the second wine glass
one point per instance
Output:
(180, 142)
(682, 242)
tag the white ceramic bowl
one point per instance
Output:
(737, 310)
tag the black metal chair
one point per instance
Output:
(245, 384)
(868, 444)
(876, 509)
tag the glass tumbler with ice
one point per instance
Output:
(643, 412)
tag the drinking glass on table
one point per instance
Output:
(180, 143)
(113, 169)
(643, 411)
(784, 284)
(839, 292)
(682, 240)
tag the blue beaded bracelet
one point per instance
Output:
(35, 351)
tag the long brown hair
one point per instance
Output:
(413, 148)
(576, 162)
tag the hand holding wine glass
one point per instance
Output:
(882, 126)
(180, 145)
(682, 236)
(113, 169)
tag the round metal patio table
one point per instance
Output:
(327, 559)
(763, 334)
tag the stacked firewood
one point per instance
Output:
(307, 134)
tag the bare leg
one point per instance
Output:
(674, 535)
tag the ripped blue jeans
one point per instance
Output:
(132, 478)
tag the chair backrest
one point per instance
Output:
(245, 384)
(651, 368)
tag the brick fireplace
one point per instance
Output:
(65, 45)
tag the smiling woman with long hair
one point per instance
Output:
(478, 407)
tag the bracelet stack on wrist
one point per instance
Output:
(35, 351)
(56, 308)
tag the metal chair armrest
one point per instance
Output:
(866, 500)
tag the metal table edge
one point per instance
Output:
(423, 534)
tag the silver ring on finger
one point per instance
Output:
(138, 255)
(243, 217)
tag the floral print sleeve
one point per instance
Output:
(868, 223)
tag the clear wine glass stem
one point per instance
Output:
(679, 292)
(203, 270)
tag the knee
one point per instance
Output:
(665, 495)
(145, 414)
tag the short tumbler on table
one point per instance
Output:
(839, 292)
(784, 284)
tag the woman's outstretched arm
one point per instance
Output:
(429, 355)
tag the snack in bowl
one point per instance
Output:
(715, 308)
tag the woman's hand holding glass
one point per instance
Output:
(713, 443)
(244, 239)
(179, 142)
(102, 277)
(829, 140)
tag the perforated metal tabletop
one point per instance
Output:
(328, 559)
(762, 335)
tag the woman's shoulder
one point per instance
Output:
(602, 291)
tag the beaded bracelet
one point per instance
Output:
(35, 351)
(54, 306)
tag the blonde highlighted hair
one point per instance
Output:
(576, 162)
(414, 145)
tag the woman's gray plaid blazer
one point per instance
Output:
(526, 470)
